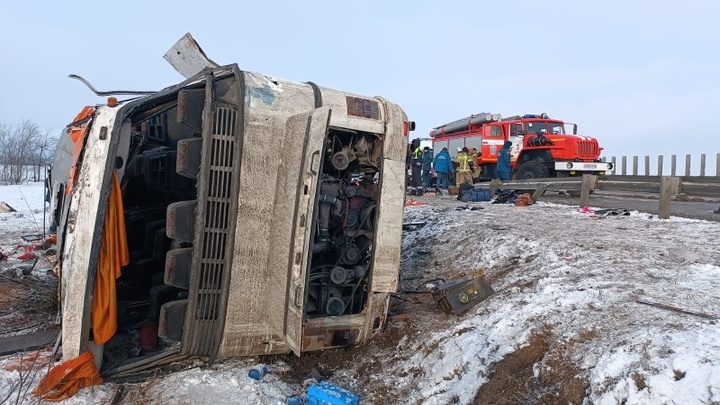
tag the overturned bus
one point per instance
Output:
(232, 214)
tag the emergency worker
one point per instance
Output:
(503, 162)
(426, 166)
(417, 155)
(442, 164)
(473, 155)
(464, 170)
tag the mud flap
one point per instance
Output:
(314, 127)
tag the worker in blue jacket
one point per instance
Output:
(503, 162)
(442, 165)
(426, 167)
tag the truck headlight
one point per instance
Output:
(569, 165)
(610, 166)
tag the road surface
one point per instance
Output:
(696, 209)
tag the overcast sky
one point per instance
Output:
(639, 76)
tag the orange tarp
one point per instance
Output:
(412, 202)
(77, 131)
(113, 256)
(63, 380)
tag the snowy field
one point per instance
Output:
(565, 282)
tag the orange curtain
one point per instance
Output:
(63, 380)
(113, 256)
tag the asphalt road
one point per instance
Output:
(695, 208)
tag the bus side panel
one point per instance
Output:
(84, 231)
(388, 236)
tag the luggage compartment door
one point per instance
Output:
(312, 128)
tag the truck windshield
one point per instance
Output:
(545, 127)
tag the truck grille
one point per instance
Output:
(211, 266)
(588, 149)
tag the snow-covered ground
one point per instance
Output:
(570, 279)
(27, 199)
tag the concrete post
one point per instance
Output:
(588, 183)
(665, 194)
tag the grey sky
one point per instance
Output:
(639, 76)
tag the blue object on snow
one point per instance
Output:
(257, 373)
(296, 400)
(325, 393)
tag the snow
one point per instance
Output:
(27, 199)
(553, 269)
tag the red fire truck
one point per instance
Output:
(541, 146)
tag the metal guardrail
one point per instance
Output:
(623, 167)
(666, 186)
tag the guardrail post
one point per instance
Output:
(660, 165)
(614, 163)
(687, 165)
(588, 183)
(539, 191)
(702, 164)
(494, 183)
(673, 165)
(624, 165)
(635, 165)
(665, 193)
(647, 165)
(717, 165)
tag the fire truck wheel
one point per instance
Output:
(532, 169)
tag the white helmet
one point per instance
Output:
(459, 149)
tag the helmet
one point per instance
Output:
(459, 149)
(465, 149)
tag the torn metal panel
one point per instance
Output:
(187, 58)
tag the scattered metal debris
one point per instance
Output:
(456, 297)
(676, 309)
(413, 226)
(4, 207)
(32, 237)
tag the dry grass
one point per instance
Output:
(639, 380)
(141, 394)
(28, 366)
